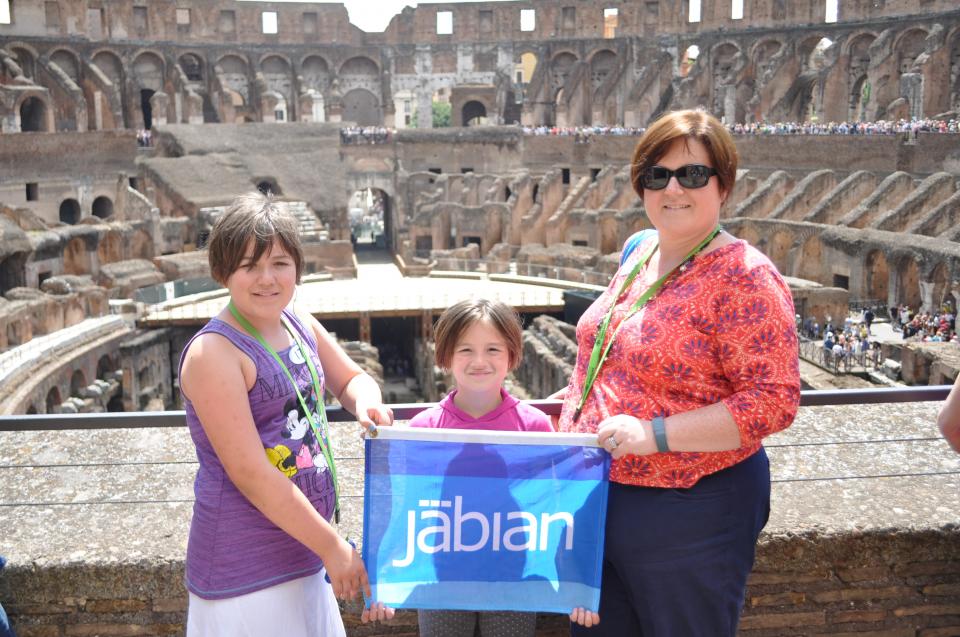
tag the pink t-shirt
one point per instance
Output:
(510, 415)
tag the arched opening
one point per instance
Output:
(909, 48)
(689, 59)
(361, 106)
(778, 250)
(33, 115)
(810, 264)
(31, 409)
(315, 73)
(955, 74)
(602, 65)
(67, 63)
(105, 367)
(859, 97)
(369, 213)
(78, 381)
(941, 286)
(268, 187)
(908, 283)
(192, 67)
(26, 62)
(524, 69)
(76, 257)
(145, 108)
(53, 400)
(878, 276)
(110, 248)
(70, 211)
(474, 114)
(102, 207)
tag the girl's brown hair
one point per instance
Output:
(252, 216)
(686, 125)
(460, 316)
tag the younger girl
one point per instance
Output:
(479, 341)
(261, 539)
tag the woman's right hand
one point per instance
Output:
(345, 570)
(561, 395)
(584, 617)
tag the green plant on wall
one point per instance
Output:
(441, 115)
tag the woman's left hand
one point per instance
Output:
(624, 435)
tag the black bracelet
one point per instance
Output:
(660, 434)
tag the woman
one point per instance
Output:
(694, 361)
(949, 417)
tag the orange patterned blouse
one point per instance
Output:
(723, 330)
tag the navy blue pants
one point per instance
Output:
(676, 560)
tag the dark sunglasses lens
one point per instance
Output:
(693, 176)
(656, 178)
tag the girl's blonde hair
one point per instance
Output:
(459, 317)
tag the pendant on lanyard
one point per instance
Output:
(320, 412)
(598, 355)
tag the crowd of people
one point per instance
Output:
(929, 327)
(365, 135)
(881, 127)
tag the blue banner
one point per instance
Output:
(472, 520)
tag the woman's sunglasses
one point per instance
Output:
(689, 176)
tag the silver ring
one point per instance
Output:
(612, 442)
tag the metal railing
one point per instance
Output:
(405, 411)
(846, 363)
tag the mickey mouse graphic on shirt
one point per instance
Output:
(298, 427)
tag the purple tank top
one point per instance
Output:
(233, 549)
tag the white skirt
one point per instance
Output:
(304, 607)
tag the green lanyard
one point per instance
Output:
(321, 411)
(599, 354)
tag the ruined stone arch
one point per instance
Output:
(233, 72)
(778, 249)
(141, 245)
(149, 71)
(277, 74)
(809, 264)
(53, 400)
(857, 50)
(724, 69)
(602, 64)
(26, 57)
(750, 234)
(359, 64)
(193, 66)
(103, 207)
(362, 107)
(110, 247)
(34, 112)
(908, 281)
(70, 212)
(78, 380)
(68, 61)
(76, 257)
(954, 71)
(110, 65)
(474, 113)
(106, 365)
(765, 48)
(561, 64)
(907, 46)
(876, 273)
(940, 278)
(315, 71)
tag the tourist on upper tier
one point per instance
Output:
(263, 555)
(480, 342)
(949, 418)
(684, 364)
